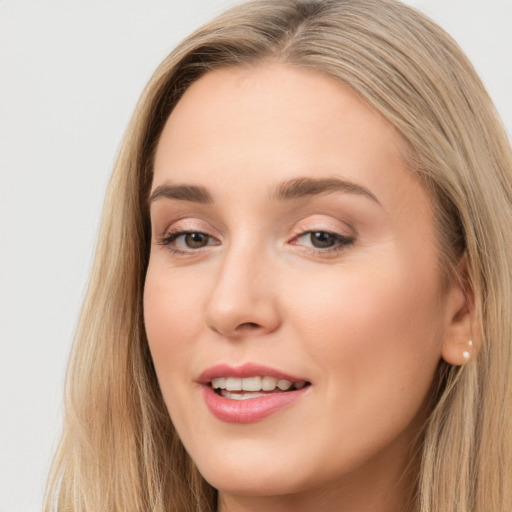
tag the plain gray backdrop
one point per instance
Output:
(70, 74)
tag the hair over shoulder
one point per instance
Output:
(119, 450)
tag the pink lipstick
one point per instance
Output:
(250, 392)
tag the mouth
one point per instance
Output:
(250, 392)
(246, 388)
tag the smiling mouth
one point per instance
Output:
(236, 388)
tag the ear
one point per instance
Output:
(459, 344)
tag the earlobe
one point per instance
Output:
(458, 354)
(459, 344)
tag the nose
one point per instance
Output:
(243, 301)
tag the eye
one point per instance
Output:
(194, 240)
(323, 241)
(186, 241)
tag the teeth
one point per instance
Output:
(240, 396)
(219, 383)
(233, 384)
(254, 384)
(268, 383)
(284, 385)
(251, 384)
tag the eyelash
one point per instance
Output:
(340, 242)
(172, 236)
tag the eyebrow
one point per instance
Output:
(303, 187)
(295, 188)
(191, 193)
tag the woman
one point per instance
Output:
(302, 290)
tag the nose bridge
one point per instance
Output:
(243, 297)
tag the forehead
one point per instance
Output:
(302, 113)
(257, 126)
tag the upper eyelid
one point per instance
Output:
(312, 222)
(185, 225)
(337, 227)
(329, 231)
(179, 234)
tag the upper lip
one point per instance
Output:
(245, 370)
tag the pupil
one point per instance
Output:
(195, 240)
(322, 239)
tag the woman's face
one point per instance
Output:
(290, 243)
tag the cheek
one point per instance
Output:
(373, 340)
(376, 332)
(172, 317)
(374, 302)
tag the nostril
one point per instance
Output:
(239, 329)
(248, 326)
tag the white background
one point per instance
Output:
(70, 74)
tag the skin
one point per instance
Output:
(365, 322)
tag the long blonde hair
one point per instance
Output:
(119, 450)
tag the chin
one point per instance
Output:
(249, 484)
(253, 478)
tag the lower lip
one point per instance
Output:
(251, 409)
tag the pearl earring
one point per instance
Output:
(466, 353)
